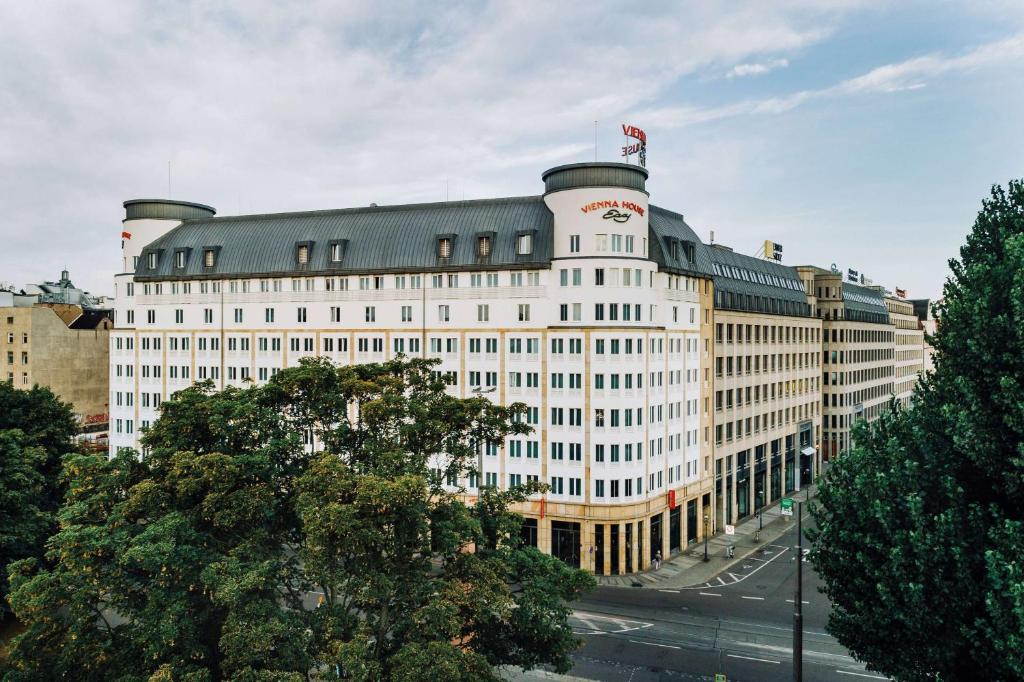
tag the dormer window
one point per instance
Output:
(179, 260)
(483, 247)
(151, 264)
(336, 253)
(524, 245)
(444, 248)
(209, 258)
(690, 251)
(302, 255)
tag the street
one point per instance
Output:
(739, 624)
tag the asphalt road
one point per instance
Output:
(739, 624)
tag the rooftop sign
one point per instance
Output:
(639, 147)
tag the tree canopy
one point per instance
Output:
(36, 432)
(297, 530)
(920, 540)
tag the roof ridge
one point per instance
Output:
(387, 208)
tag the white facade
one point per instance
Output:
(603, 347)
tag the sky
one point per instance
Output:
(863, 134)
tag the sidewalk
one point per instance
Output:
(688, 568)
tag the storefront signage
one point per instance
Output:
(639, 147)
(97, 418)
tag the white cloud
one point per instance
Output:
(908, 75)
(757, 68)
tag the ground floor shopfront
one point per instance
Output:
(764, 473)
(616, 540)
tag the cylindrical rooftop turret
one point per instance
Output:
(596, 174)
(166, 209)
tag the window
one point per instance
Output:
(268, 314)
(179, 259)
(300, 315)
(483, 247)
(335, 314)
(179, 316)
(335, 253)
(524, 245)
(443, 313)
(574, 243)
(152, 261)
(238, 316)
(599, 277)
(444, 248)
(483, 313)
(371, 313)
(524, 312)
(406, 313)
(302, 256)
(209, 258)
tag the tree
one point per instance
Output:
(46, 422)
(24, 524)
(36, 432)
(919, 539)
(203, 559)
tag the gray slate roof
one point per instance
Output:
(863, 299)
(399, 238)
(380, 239)
(746, 277)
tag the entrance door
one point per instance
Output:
(629, 548)
(565, 542)
(599, 549)
(691, 521)
(674, 519)
(529, 532)
(615, 548)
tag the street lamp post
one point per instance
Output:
(798, 616)
(707, 518)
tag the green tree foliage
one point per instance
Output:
(207, 558)
(920, 539)
(36, 432)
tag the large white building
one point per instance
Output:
(587, 303)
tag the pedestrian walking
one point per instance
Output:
(657, 560)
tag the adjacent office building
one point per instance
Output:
(858, 353)
(767, 374)
(57, 335)
(909, 347)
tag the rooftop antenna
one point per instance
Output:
(712, 236)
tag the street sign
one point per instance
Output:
(730, 530)
(786, 506)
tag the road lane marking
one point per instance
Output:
(848, 672)
(734, 577)
(766, 562)
(757, 598)
(790, 601)
(670, 591)
(709, 594)
(751, 658)
(666, 646)
(720, 581)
